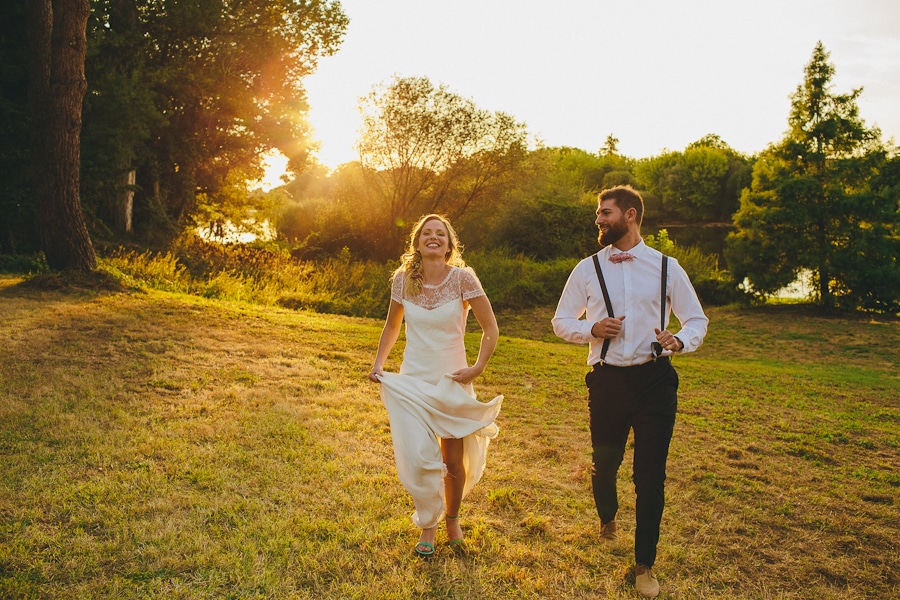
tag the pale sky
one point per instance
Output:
(656, 74)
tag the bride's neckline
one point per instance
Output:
(442, 282)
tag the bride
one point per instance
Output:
(440, 431)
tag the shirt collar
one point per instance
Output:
(636, 251)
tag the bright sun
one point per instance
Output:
(275, 165)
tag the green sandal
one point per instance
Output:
(429, 549)
(456, 542)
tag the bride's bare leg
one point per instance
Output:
(454, 482)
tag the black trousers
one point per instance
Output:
(643, 398)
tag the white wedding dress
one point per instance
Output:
(423, 401)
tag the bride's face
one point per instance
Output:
(434, 239)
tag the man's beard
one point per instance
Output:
(615, 233)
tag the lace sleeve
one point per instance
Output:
(469, 285)
(397, 287)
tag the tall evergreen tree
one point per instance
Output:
(810, 206)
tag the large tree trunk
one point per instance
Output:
(57, 40)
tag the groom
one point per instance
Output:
(632, 384)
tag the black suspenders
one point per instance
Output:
(662, 293)
(609, 310)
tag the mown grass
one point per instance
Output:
(161, 445)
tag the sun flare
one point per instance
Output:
(275, 167)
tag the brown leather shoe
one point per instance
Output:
(608, 532)
(645, 581)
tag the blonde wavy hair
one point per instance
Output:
(411, 260)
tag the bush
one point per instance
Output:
(720, 292)
(542, 230)
(205, 259)
(341, 286)
(518, 282)
(269, 275)
(24, 264)
(264, 275)
(156, 270)
(713, 286)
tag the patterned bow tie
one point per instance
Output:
(621, 257)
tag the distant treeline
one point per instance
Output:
(184, 100)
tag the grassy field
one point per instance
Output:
(156, 445)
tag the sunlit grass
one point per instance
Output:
(159, 445)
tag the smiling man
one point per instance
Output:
(627, 291)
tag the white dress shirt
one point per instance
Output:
(634, 291)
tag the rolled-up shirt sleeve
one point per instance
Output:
(635, 295)
(576, 301)
(686, 306)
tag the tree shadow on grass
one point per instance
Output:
(67, 281)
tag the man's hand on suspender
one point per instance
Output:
(609, 327)
(668, 341)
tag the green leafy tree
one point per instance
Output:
(738, 175)
(564, 174)
(869, 272)
(812, 206)
(191, 94)
(120, 116)
(539, 228)
(612, 168)
(425, 149)
(703, 182)
(699, 177)
(187, 95)
(714, 287)
(323, 214)
(653, 176)
(549, 211)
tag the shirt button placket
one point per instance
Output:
(628, 343)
